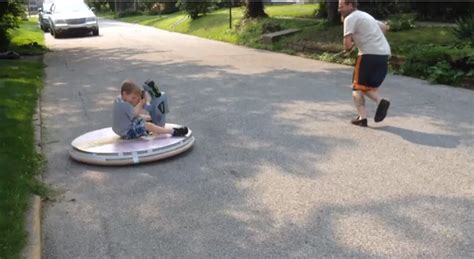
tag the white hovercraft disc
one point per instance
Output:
(104, 147)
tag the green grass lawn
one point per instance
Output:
(215, 25)
(400, 42)
(28, 39)
(20, 81)
(295, 11)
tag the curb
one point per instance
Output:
(33, 248)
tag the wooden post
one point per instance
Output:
(230, 14)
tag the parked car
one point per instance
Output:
(72, 16)
(43, 15)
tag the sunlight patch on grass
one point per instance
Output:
(28, 39)
(293, 10)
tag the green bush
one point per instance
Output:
(401, 22)
(436, 10)
(158, 8)
(11, 13)
(443, 73)
(129, 13)
(269, 26)
(465, 29)
(194, 8)
(440, 64)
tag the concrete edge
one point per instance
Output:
(33, 248)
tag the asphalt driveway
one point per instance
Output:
(276, 170)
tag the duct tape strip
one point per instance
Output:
(135, 157)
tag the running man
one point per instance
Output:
(367, 34)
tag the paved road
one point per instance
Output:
(276, 170)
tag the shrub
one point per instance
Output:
(401, 22)
(443, 73)
(129, 13)
(465, 29)
(194, 8)
(440, 64)
(435, 10)
(269, 26)
(159, 8)
(10, 14)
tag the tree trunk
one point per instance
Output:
(254, 9)
(333, 15)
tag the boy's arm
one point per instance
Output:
(146, 117)
(137, 110)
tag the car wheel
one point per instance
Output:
(95, 32)
(55, 34)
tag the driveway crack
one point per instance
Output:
(84, 107)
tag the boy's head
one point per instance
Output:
(130, 92)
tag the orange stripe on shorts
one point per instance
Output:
(355, 84)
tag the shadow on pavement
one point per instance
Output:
(422, 138)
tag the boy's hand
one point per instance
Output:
(142, 102)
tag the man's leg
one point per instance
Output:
(373, 95)
(359, 103)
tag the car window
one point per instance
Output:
(47, 6)
(71, 7)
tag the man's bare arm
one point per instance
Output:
(348, 43)
(383, 26)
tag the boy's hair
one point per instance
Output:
(128, 86)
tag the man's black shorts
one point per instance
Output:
(369, 72)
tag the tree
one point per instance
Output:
(10, 13)
(328, 10)
(254, 9)
(333, 15)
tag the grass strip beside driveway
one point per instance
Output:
(20, 82)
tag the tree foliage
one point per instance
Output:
(10, 13)
(194, 8)
(429, 10)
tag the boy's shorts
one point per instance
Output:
(369, 72)
(137, 130)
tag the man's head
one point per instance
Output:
(346, 7)
(130, 92)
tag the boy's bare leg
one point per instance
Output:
(373, 95)
(359, 102)
(157, 129)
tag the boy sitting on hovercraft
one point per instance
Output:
(128, 120)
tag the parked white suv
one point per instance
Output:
(71, 16)
(43, 15)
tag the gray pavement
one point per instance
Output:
(276, 170)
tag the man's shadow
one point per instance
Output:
(422, 138)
